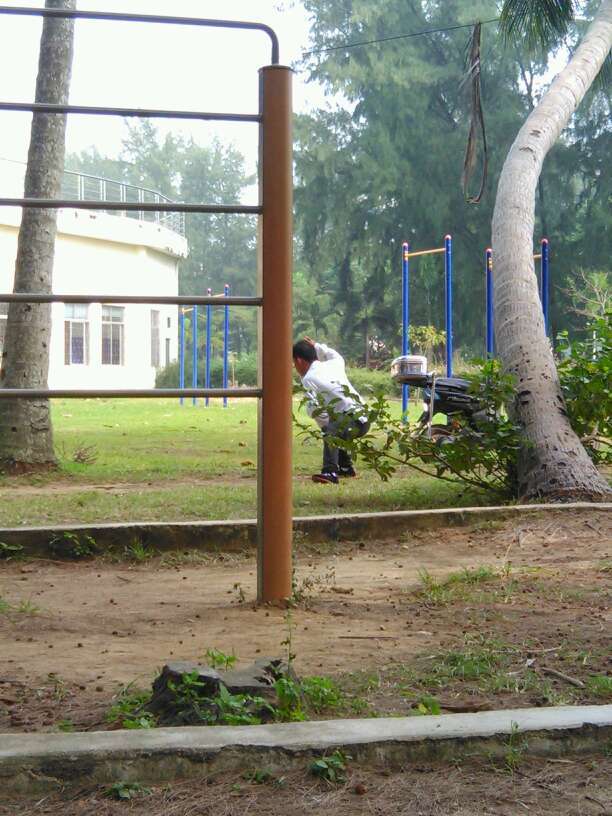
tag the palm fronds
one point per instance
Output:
(536, 22)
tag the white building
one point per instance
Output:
(103, 345)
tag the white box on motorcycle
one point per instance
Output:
(410, 369)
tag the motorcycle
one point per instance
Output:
(465, 412)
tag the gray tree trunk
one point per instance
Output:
(553, 463)
(26, 437)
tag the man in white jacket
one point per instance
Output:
(324, 379)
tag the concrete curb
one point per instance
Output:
(31, 763)
(224, 536)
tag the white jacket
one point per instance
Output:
(326, 379)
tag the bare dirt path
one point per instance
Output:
(91, 626)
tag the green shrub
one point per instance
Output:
(243, 369)
(585, 371)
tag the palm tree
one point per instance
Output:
(26, 438)
(553, 463)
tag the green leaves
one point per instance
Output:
(537, 23)
(330, 768)
(585, 371)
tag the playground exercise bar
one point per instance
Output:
(147, 18)
(194, 332)
(489, 300)
(405, 319)
(182, 352)
(274, 522)
(208, 329)
(448, 288)
(124, 206)
(226, 291)
(447, 249)
(426, 252)
(107, 393)
(274, 477)
(171, 300)
(145, 113)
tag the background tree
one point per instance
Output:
(26, 438)
(553, 462)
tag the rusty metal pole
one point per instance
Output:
(275, 505)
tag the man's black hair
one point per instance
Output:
(305, 351)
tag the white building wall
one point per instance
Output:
(97, 253)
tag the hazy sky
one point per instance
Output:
(129, 64)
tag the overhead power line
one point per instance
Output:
(396, 37)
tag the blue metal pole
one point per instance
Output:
(405, 319)
(194, 333)
(489, 274)
(181, 352)
(226, 291)
(448, 277)
(208, 331)
(544, 281)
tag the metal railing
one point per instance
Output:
(79, 186)
(274, 283)
(86, 187)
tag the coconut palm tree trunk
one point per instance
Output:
(553, 463)
(26, 438)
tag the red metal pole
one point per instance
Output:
(275, 504)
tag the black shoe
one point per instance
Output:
(347, 472)
(326, 477)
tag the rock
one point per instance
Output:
(165, 702)
(185, 706)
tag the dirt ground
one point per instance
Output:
(73, 634)
(559, 787)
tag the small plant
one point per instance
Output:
(321, 693)
(289, 696)
(288, 641)
(72, 545)
(217, 659)
(515, 748)
(137, 550)
(600, 685)
(5, 606)
(331, 768)
(427, 705)
(129, 710)
(10, 550)
(26, 607)
(65, 725)
(126, 790)
(260, 777)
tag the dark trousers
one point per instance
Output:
(348, 427)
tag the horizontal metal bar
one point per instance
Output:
(172, 300)
(145, 113)
(426, 252)
(136, 393)
(536, 257)
(123, 206)
(147, 18)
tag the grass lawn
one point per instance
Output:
(148, 460)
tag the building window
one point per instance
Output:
(155, 338)
(112, 335)
(167, 351)
(3, 317)
(169, 323)
(76, 334)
